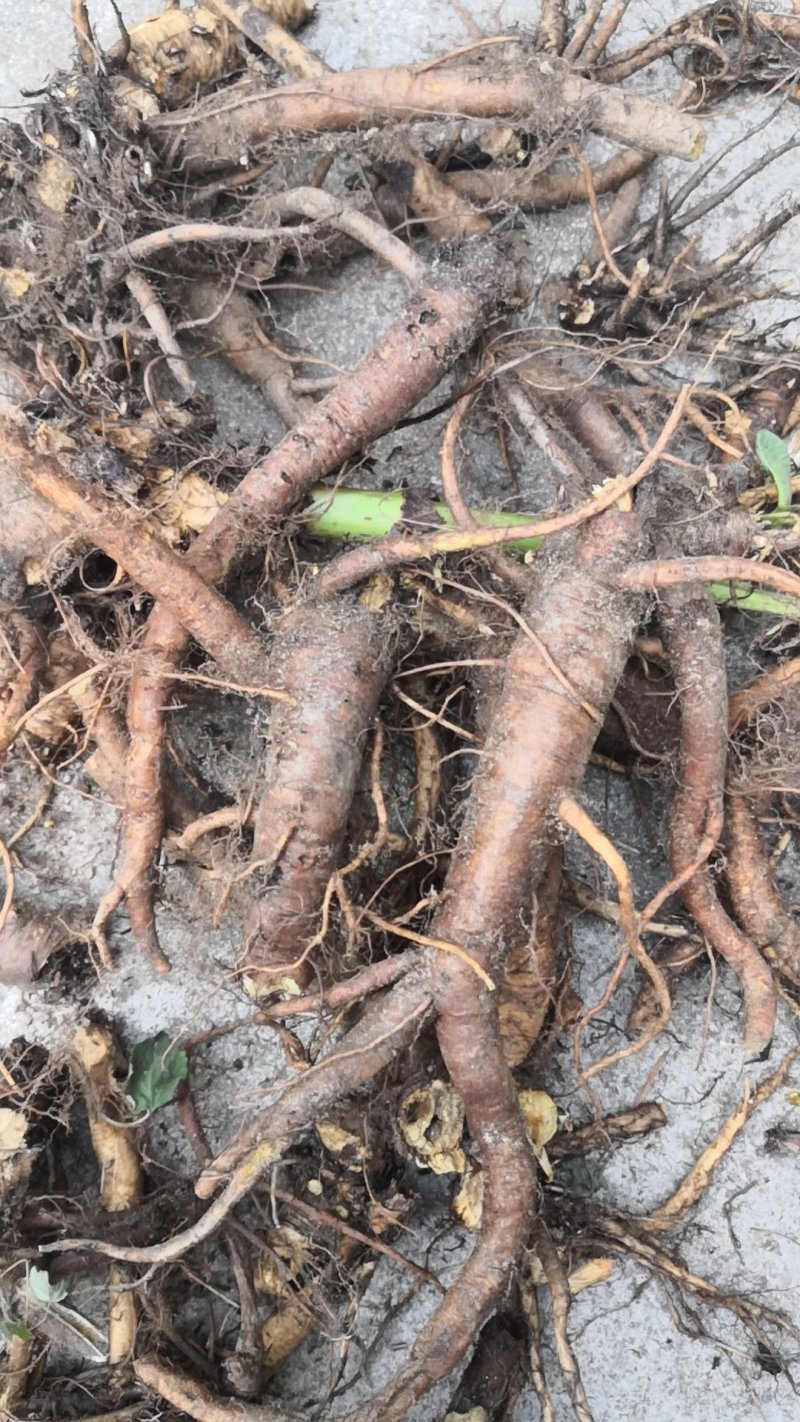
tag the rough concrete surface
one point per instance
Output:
(745, 1234)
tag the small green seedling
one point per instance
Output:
(156, 1071)
(773, 455)
(43, 1290)
(9, 1330)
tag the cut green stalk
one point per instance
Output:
(750, 599)
(362, 515)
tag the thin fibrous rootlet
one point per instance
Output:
(425, 707)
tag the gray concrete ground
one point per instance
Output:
(636, 1364)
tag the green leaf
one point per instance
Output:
(157, 1069)
(773, 455)
(42, 1289)
(14, 1330)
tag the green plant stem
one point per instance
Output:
(362, 515)
(751, 599)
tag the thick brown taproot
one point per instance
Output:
(416, 352)
(219, 129)
(334, 662)
(536, 749)
(544, 723)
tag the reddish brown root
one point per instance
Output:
(767, 688)
(104, 523)
(333, 660)
(561, 1299)
(411, 359)
(536, 748)
(144, 804)
(599, 1135)
(754, 893)
(677, 572)
(194, 1400)
(694, 642)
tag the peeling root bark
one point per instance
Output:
(333, 661)
(693, 639)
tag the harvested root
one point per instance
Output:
(447, 215)
(767, 688)
(368, 97)
(601, 1135)
(445, 902)
(174, 53)
(754, 893)
(230, 323)
(561, 1298)
(694, 643)
(542, 192)
(15, 1372)
(575, 818)
(268, 24)
(96, 519)
(614, 1236)
(694, 1183)
(143, 293)
(503, 848)
(552, 26)
(195, 1400)
(333, 662)
(410, 361)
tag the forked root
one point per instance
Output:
(754, 893)
(694, 642)
(411, 359)
(334, 662)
